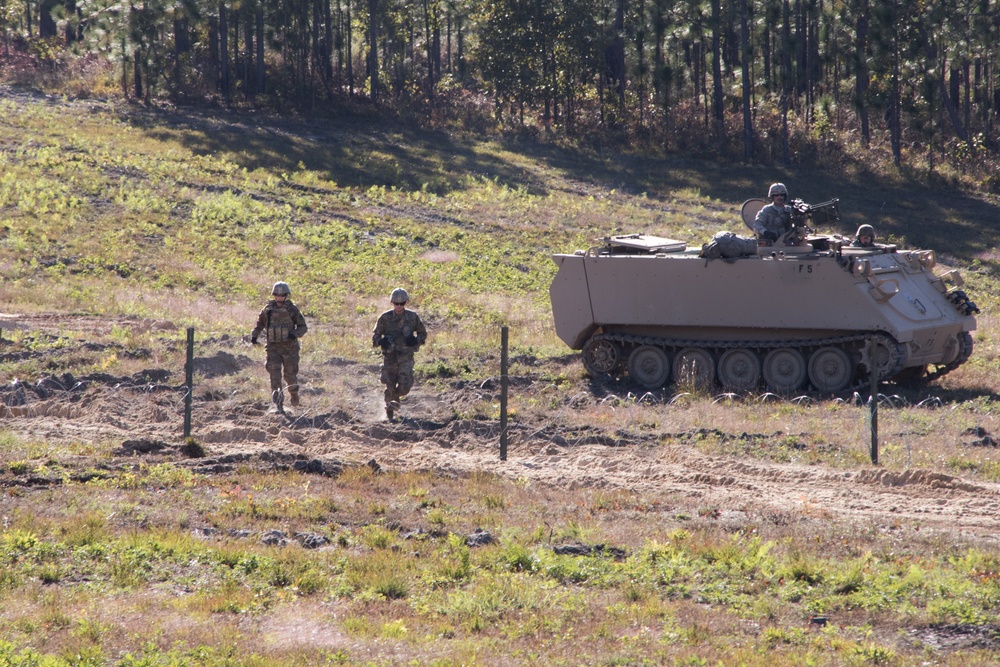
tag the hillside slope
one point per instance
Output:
(121, 227)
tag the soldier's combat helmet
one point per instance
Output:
(281, 288)
(777, 189)
(865, 230)
(399, 295)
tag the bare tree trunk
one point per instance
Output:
(350, 53)
(327, 41)
(137, 73)
(46, 24)
(861, 76)
(237, 70)
(181, 46)
(224, 83)
(895, 126)
(619, 51)
(814, 71)
(373, 48)
(968, 104)
(766, 49)
(930, 156)
(73, 31)
(547, 95)
(703, 84)
(124, 71)
(801, 69)
(949, 106)
(461, 48)
(259, 21)
(748, 148)
(249, 82)
(437, 46)
(317, 68)
(990, 103)
(717, 109)
(430, 54)
(786, 76)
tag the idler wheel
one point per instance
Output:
(739, 369)
(649, 367)
(784, 369)
(601, 356)
(694, 367)
(830, 369)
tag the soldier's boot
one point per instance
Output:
(293, 397)
(278, 398)
(391, 402)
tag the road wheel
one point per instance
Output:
(649, 367)
(830, 369)
(739, 370)
(694, 367)
(784, 369)
(601, 356)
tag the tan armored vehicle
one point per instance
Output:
(806, 312)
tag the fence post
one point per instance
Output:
(189, 381)
(503, 393)
(873, 406)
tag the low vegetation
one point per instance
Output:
(165, 220)
(157, 566)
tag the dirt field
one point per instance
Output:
(142, 415)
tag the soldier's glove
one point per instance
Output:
(412, 340)
(253, 340)
(770, 236)
(385, 342)
(291, 336)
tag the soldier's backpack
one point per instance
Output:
(727, 245)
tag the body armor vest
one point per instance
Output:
(279, 325)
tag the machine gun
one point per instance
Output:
(803, 214)
(819, 214)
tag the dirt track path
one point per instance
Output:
(690, 479)
(677, 475)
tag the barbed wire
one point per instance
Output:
(102, 396)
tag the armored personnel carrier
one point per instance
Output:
(807, 312)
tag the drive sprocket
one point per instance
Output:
(890, 356)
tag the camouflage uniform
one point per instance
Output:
(397, 355)
(284, 325)
(772, 219)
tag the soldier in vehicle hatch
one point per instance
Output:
(864, 238)
(282, 322)
(400, 333)
(774, 219)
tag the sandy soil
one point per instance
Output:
(142, 415)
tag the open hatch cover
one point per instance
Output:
(651, 244)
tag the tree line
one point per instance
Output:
(920, 73)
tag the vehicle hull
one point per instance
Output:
(790, 297)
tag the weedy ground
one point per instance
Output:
(129, 225)
(155, 565)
